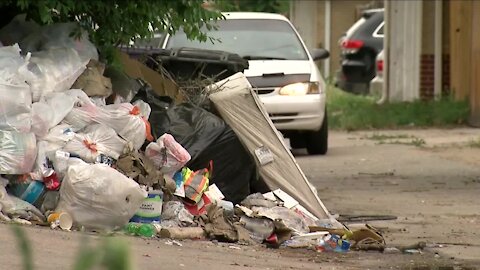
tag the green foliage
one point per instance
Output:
(354, 112)
(474, 143)
(114, 22)
(271, 6)
(397, 139)
(25, 249)
(111, 254)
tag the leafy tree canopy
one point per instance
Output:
(271, 6)
(113, 22)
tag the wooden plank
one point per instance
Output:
(475, 69)
(460, 47)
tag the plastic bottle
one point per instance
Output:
(138, 229)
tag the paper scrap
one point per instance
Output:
(288, 200)
(264, 155)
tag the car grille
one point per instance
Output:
(263, 91)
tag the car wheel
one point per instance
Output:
(317, 141)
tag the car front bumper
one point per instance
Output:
(295, 112)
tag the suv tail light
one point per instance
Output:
(351, 45)
(379, 67)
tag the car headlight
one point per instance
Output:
(300, 89)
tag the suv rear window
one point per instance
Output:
(254, 38)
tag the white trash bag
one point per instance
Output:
(15, 95)
(60, 135)
(99, 197)
(83, 111)
(17, 152)
(54, 70)
(50, 111)
(167, 154)
(129, 121)
(97, 139)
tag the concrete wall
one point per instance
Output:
(303, 16)
(405, 48)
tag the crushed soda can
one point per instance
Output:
(50, 179)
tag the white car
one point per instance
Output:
(281, 70)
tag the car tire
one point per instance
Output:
(298, 141)
(317, 141)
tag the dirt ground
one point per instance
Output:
(428, 179)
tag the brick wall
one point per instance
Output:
(427, 76)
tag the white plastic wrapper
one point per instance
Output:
(54, 70)
(167, 154)
(97, 139)
(15, 95)
(17, 152)
(50, 111)
(99, 197)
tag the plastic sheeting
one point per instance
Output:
(240, 108)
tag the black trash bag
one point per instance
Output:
(206, 137)
(234, 171)
(194, 128)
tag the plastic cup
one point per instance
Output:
(62, 220)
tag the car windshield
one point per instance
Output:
(252, 39)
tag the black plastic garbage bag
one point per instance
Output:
(206, 137)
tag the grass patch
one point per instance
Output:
(418, 142)
(474, 143)
(383, 137)
(396, 139)
(355, 112)
(111, 253)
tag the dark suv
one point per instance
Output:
(360, 45)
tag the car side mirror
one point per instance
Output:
(319, 54)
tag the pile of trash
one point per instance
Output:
(83, 147)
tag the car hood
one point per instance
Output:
(265, 67)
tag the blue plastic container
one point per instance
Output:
(31, 192)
